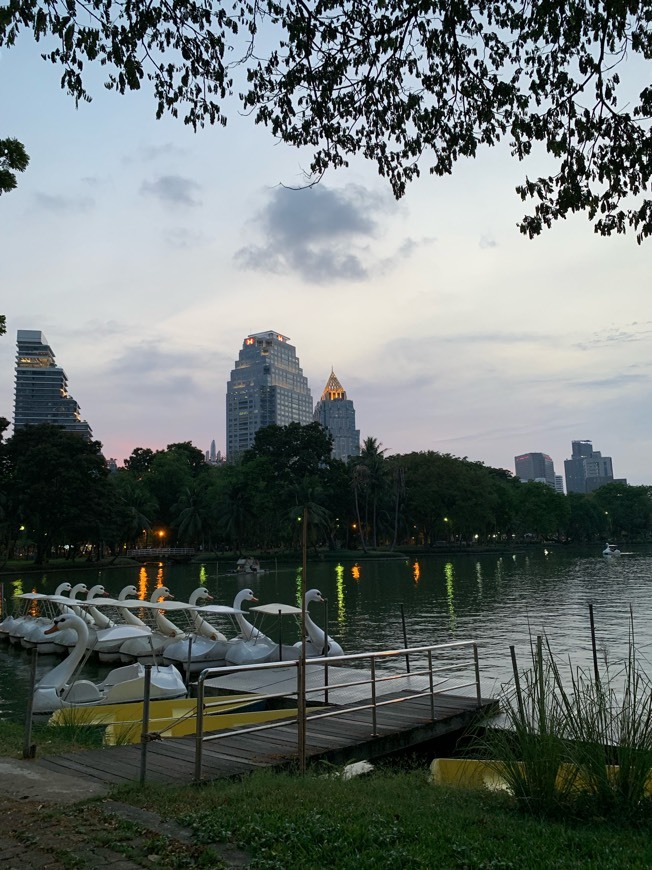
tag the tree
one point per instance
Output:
(58, 487)
(399, 82)
(13, 159)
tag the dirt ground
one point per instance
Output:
(98, 834)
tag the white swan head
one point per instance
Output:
(61, 588)
(202, 592)
(80, 587)
(126, 592)
(67, 620)
(244, 595)
(96, 592)
(160, 592)
(314, 595)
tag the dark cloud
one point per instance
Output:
(64, 204)
(319, 233)
(172, 189)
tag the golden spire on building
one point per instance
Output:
(333, 389)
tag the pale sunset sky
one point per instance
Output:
(146, 253)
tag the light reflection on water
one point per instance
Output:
(497, 600)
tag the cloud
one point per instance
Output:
(487, 241)
(172, 189)
(183, 238)
(613, 335)
(63, 204)
(320, 233)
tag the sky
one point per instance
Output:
(146, 253)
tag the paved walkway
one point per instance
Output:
(62, 822)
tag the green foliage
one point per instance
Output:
(406, 85)
(57, 487)
(577, 742)
(388, 819)
(13, 159)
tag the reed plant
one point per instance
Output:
(574, 740)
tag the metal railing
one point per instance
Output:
(432, 679)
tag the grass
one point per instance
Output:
(580, 743)
(388, 819)
(49, 739)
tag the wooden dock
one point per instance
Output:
(344, 738)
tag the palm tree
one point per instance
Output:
(235, 514)
(191, 517)
(360, 478)
(373, 458)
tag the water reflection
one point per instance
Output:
(416, 572)
(339, 587)
(497, 601)
(449, 573)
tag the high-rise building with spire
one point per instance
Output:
(42, 387)
(267, 387)
(336, 413)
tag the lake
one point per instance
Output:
(497, 600)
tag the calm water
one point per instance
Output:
(498, 601)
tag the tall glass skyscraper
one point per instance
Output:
(267, 386)
(336, 413)
(42, 387)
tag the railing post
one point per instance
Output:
(476, 662)
(432, 686)
(199, 730)
(28, 749)
(189, 660)
(374, 732)
(144, 734)
(301, 705)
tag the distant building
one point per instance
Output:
(267, 387)
(559, 483)
(587, 469)
(537, 467)
(213, 456)
(42, 388)
(336, 413)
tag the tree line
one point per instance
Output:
(58, 497)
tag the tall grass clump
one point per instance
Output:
(577, 740)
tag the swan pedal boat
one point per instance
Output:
(172, 718)
(58, 688)
(474, 773)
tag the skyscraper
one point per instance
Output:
(266, 387)
(336, 413)
(42, 387)
(538, 467)
(587, 469)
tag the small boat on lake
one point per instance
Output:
(611, 550)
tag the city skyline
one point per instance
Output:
(145, 252)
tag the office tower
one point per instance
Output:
(42, 387)
(537, 467)
(559, 483)
(267, 387)
(587, 469)
(213, 456)
(336, 413)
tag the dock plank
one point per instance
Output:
(337, 739)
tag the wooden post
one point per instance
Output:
(476, 663)
(144, 735)
(517, 684)
(594, 648)
(405, 643)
